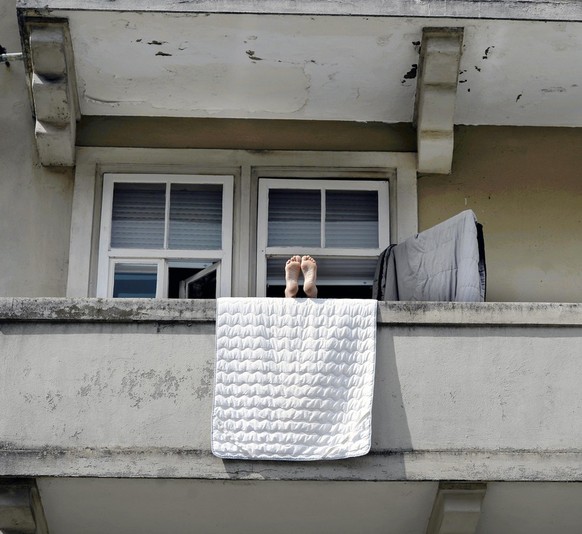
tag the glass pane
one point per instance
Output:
(138, 216)
(335, 271)
(135, 280)
(191, 280)
(195, 216)
(294, 217)
(351, 219)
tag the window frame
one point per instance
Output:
(246, 166)
(109, 257)
(342, 182)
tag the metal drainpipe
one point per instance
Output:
(7, 58)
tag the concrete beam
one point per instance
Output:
(20, 508)
(480, 9)
(54, 93)
(435, 98)
(456, 509)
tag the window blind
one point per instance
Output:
(138, 216)
(294, 217)
(195, 217)
(351, 219)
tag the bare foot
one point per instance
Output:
(292, 268)
(309, 268)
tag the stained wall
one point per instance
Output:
(35, 202)
(525, 186)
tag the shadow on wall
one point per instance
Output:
(390, 431)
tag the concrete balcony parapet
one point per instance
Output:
(123, 388)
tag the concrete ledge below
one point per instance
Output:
(560, 466)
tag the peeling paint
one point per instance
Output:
(411, 74)
(487, 51)
(251, 54)
(204, 390)
(53, 399)
(553, 90)
(96, 100)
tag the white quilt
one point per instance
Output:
(294, 378)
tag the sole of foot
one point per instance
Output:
(292, 270)
(309, 269)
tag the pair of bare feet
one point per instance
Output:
(293, 267)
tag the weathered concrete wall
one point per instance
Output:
(87, 397)
(525, 185)
(35, 203)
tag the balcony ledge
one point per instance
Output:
(89, 310)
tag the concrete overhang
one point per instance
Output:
(520, 62)
(569, 10)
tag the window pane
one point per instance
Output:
(351, 219)
(294, 217)
(192, 280)
(195, 216)
(330, 271)
(138, 216)
(135, 280)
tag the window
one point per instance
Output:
(165, 236)
(344, 224)
(236, 262)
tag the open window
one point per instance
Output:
(344, 224)
(165, 236)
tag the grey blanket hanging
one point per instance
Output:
(443, 263)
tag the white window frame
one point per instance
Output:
(264, 252)
(246, 167)
(109, 257)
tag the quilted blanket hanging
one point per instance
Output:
(294, 378)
